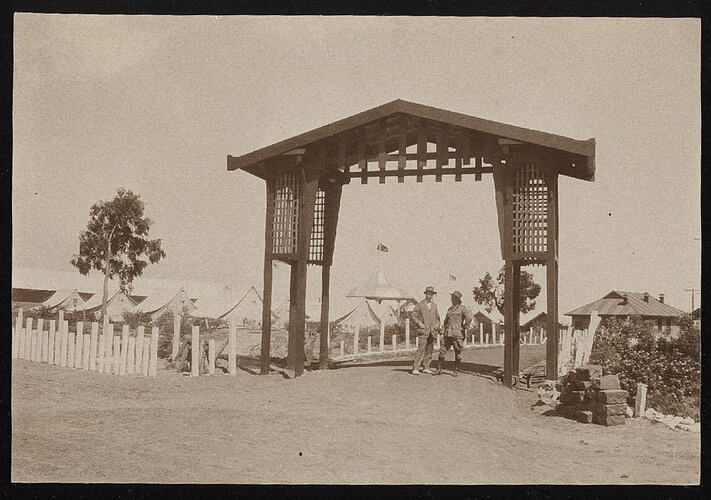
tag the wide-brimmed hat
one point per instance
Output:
(429, 289)
(457, 294)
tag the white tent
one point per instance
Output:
(67, 300)
(163, 301)
(367, 314)
(116, 304)
(248, 311)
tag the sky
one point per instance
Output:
(156, 103)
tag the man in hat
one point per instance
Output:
(426, 320)
(456, 322)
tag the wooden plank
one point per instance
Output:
(93, 345)
(140, 340)
(508, 324)
(267, 283)
(552, 279)
(28, 339)
(15, 340)
(71, 344)
(116, 356)
(325, 302)
(145, 357)
(85, 351)
(421, 153)
(124, 349)
(64, 331)
(433, 171)
(108, 346)
(153, 363)
(78, 354)
(195, 352)
(515, 327)
(45, 346)
(100, 356)
(131, 356)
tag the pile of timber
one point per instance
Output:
(590, 397)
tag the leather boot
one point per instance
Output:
(440, 361)
(456, 368)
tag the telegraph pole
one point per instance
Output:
(692, 290)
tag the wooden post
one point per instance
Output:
(28, 339)
(516, 318)
(508, 323)
(80, 343)
(481, 333)
(640, 400)
(108, 346)
(60, 317)
(370, 344)
(71, 343)
(493, 332)
(20, 342)
(40, 334)
(232, 348)
(124, 349)
(552, 278)
(131, 356)
(393, 342)
(139, 348)
(16, 335)
(487, 339)
(417, 342)
(292, 316)
(407, 333)
(93, 345)
(63, 344)
(153, 364)
(195, 352)
(45, 346)
(343, 349)
(325, 304)
(267, 290)
(382, 336)
(101, 353)
(530, 335)
(145, 357)
(19, 332)
(211, 356)
(86, 347)
(356, 340)
(116, 359)
(176, 336)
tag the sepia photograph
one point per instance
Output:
(355, 250)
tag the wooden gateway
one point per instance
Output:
(304, 177)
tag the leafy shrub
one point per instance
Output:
(669, 366)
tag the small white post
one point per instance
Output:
(116, 359)
(16, 340)
(45, 346)
(60, 317)
(356, 340)
(232, 348)
(108, 348)
(28, 339)
(211, 356)
(102, 351)
(145, 357)
(86, 347)
(21, 343)
(125, 332)
(437, 342)
(481, 333)
(493, 331)
(139, 349)
(394, 342)
(131, 355)
(63, 336)
(18, 329)
(370, 346)
(640, 400)
(530, 334)
(153, 365)
(176, 336)
(382, 335)
(487, 338)
(407, 333)
(79, 344)
(71, 344)
(343, 349)
(417, 342)
(38, 342)
(502, 337)
(51, 341)
(195, 347)
(93, 345)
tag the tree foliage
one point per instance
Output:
(490, 293)
(116, 242)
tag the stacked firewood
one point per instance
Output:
(590, 397)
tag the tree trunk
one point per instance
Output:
(104, 298)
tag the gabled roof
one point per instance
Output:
(94, 303)
(556, 142)
(491, 317)
(31, 295)
(612, 305)
(538, 318)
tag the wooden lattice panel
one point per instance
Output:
(317, 233)
(530, 211)
(285, 223)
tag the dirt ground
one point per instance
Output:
(360, 423)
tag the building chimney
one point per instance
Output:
(661, 298)
(646, 297)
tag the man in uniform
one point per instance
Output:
(426, 320)
(456, 322)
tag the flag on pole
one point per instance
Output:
(382, 247)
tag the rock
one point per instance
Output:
(671, 421)
(609, 420)
(547, 393)
(585, 417)
(630, 411)
(687, 421)
(695, 427)
(612, 396)
(606, 382)
(611, 409)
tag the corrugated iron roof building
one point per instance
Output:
(633, 304)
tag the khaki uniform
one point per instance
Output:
(455, 321)
(426, 322)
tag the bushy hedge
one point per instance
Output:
(669, 365)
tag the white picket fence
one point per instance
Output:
(575, 346)
(118, 354)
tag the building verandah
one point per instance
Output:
(304, 177)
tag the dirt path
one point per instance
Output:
(357, 424)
